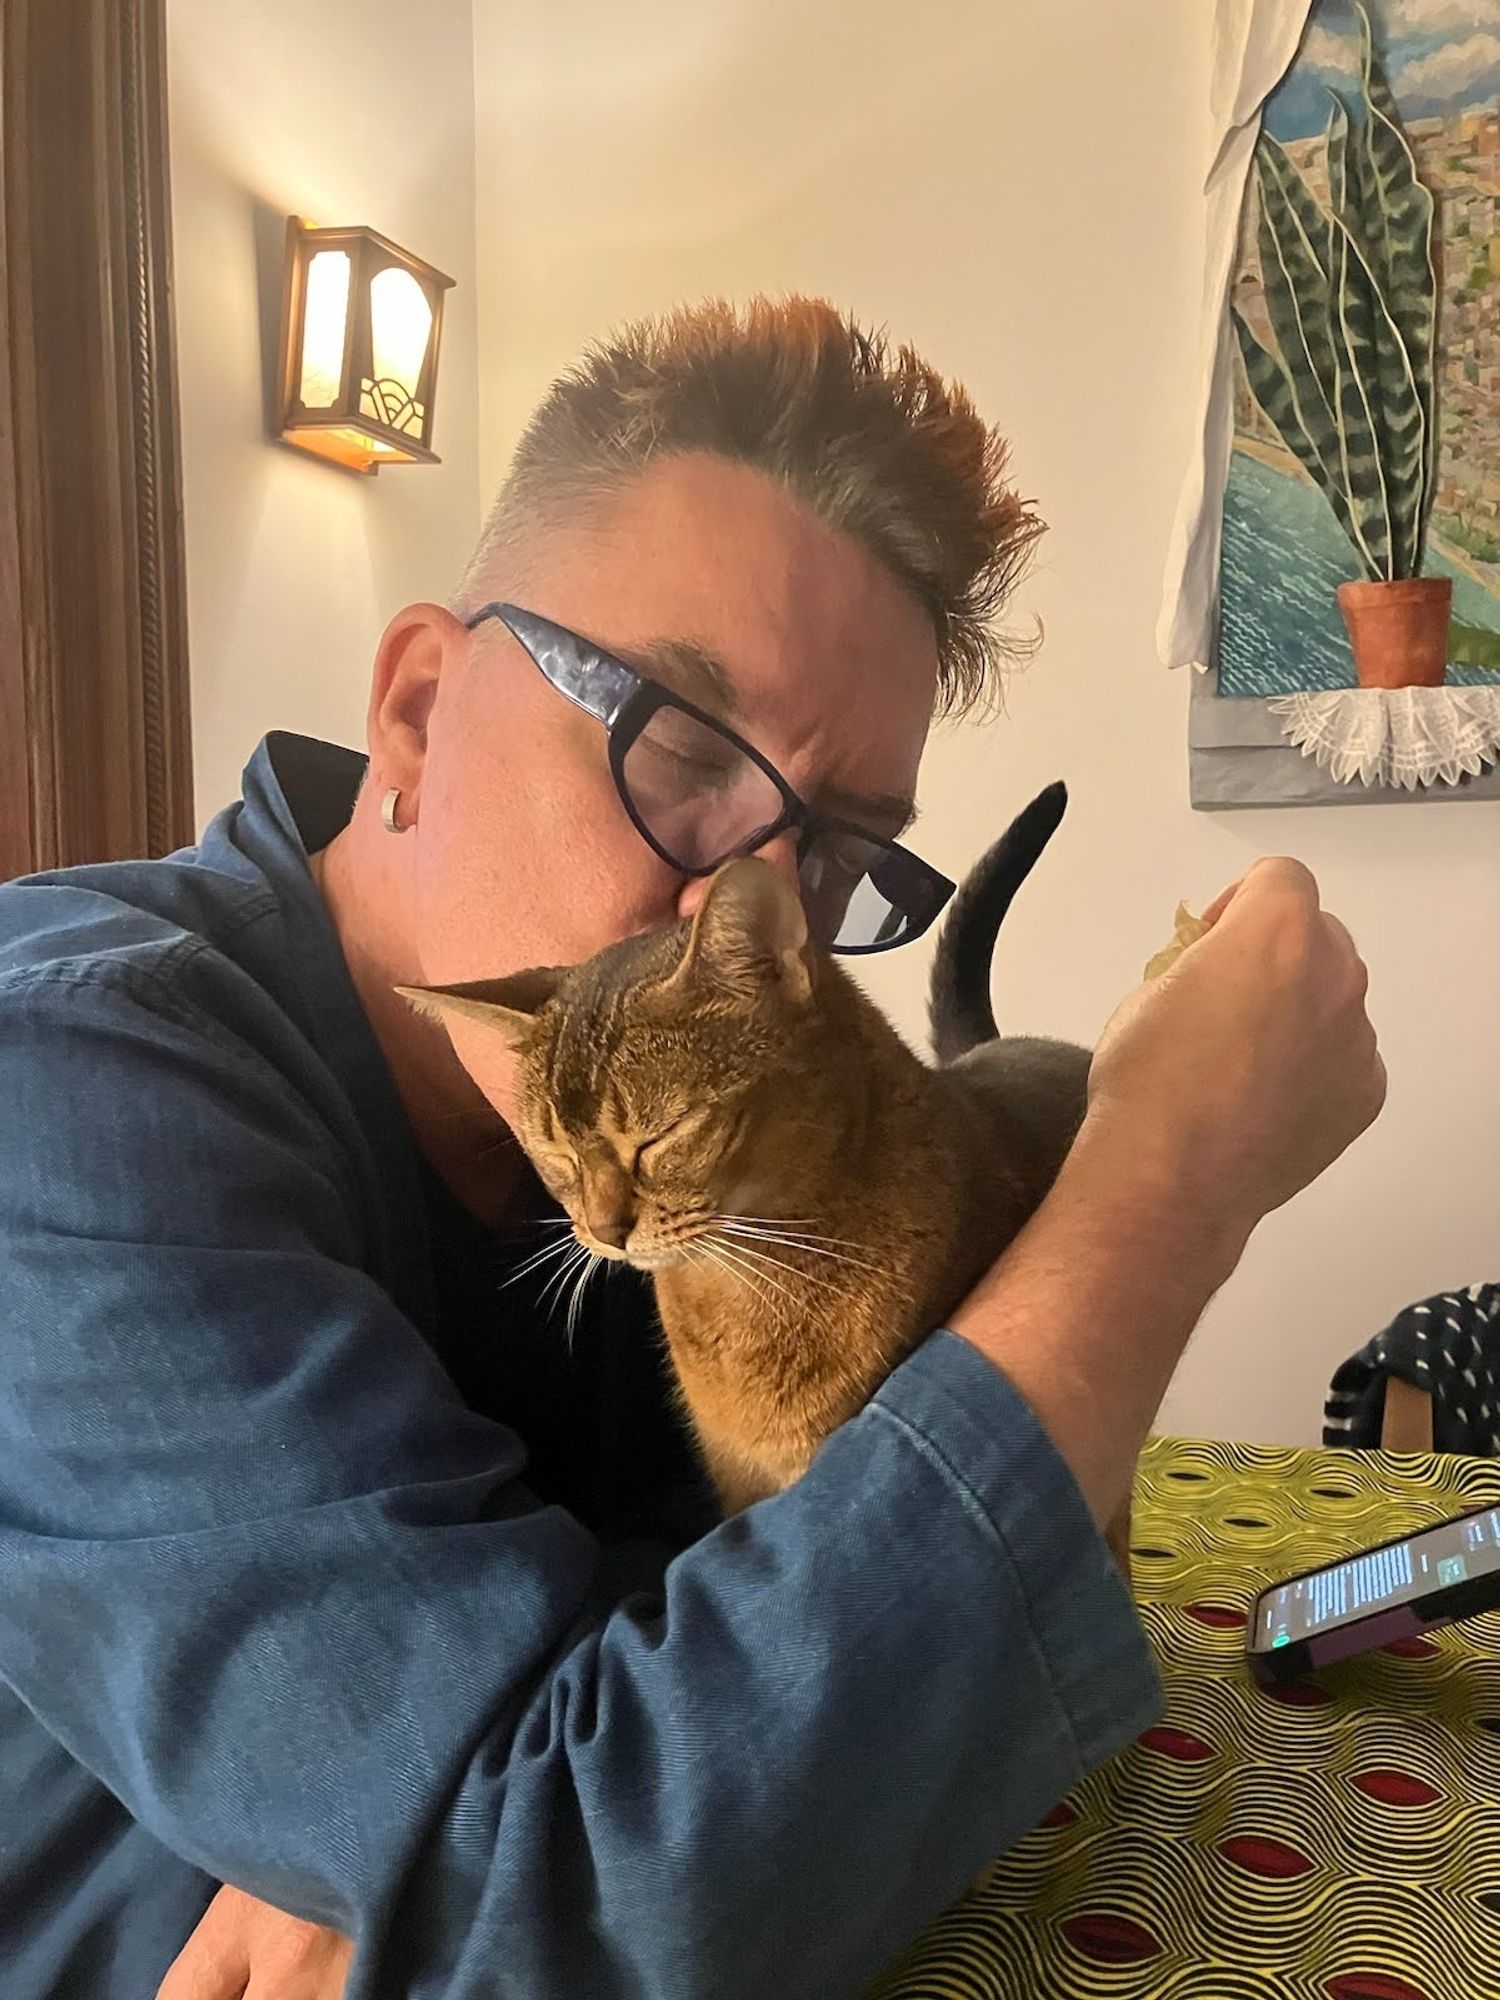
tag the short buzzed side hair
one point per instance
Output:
(872, 440)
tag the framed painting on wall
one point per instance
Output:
(1335, 572)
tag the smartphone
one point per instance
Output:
(1390, 1592)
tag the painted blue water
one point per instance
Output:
(1284, 556)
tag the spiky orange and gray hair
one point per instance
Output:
(870, 438)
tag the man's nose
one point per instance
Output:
(780, 852)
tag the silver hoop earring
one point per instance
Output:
(388, 806)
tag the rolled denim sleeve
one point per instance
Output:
(266, 1577)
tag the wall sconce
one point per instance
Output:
(359, 348)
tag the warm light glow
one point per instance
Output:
(400, 328)
(346, 446)
(324, 322)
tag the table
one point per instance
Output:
(1336, 1840)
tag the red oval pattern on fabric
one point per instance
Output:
(1395, 1788)
(1299, 1694)
(1110, 1940)
(1372, 1986)
(1272, 1859)
(1222, 1617)
(1060, 1815)
(1177, 1744)
(1411, 1649)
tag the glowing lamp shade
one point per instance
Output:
(359, 348)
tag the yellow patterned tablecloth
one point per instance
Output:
(1338, 1840)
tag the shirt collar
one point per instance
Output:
(297, 794)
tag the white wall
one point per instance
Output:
(1016, 189)
(343, 111)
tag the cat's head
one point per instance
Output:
(676, 1078)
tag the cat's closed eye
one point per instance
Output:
(650, 1155)
(559, 1166)
(553, 1149)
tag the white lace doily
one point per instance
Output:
(1401, 737)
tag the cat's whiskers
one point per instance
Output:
(807, 1245)
(763, 1262)
(745, 1274)
(553, 1291)
(824, 1245)
(777, 1221)
(900, 1288)
(575, 1303)
(559, 1247)
(788, 1228)
(729, 1254)
(765, 1259)
(701, 1251)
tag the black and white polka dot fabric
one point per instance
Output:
(1449, 1346)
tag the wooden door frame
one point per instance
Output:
(95, 741)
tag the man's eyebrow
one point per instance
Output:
(888, 813)
(693, 672)
(687, 669)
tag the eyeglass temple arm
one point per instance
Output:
(591, 680)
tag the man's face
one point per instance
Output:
(826, 664)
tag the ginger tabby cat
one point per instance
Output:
(721, 1105)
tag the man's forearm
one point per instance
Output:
(1089, 1310)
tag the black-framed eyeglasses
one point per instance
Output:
(699, 795)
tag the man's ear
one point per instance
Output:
(508, 1005)
(749, 933)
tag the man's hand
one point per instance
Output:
(245, 1950)
(1251, 1064)
(1217, 1091)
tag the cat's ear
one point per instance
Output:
(508, 1005)
(749, 932)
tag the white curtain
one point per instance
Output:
(1253, 46)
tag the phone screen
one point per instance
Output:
(1380, 1579)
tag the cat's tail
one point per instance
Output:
(958, 1010)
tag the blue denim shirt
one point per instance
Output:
(279, 1607)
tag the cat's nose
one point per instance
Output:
(608, 1200)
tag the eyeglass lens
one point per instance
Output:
(703, 799)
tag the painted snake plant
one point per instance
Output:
(1351, 295)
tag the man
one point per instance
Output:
(324, 1572)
